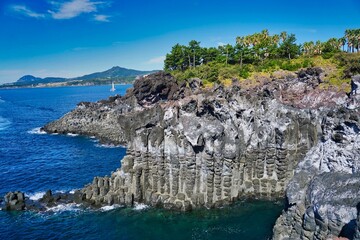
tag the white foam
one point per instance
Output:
(37, 130)
(4, 123)
(140, 206)
(36, 196)
(60, 191)
(65, 208)
(107, 146)
(72, 134)
(109, 208)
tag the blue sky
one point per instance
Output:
(70, 38)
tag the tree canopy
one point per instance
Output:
(260, 50)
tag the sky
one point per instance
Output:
(70, 38)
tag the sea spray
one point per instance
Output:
(37, 130)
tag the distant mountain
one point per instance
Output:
(28, 78)
(31, 79)
(115, 74)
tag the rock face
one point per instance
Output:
(188, 147)
(324, 193)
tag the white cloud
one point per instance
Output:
(73, 8)
(221, 44)
(67, 10)
(26, 11)
(156, 60)
(101, 18)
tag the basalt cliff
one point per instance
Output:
(190, 147)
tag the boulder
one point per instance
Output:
(14, 201)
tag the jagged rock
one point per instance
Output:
(14, 201)
(189, 148)
(325, 189)
(355, 85)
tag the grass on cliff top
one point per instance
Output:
(338, 69)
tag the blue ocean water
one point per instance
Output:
(33, 163)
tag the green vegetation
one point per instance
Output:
(263, 54)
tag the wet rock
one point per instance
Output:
(14, 201)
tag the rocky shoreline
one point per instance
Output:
(188, 147)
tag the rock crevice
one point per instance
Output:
(188, 147)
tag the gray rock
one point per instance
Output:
(188, 148)
(14, 201)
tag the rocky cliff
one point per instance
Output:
(189, 147)
(324, 193)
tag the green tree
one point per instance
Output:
(195, 50)
(210, 54)
(175, 60)
(227, 54)
(288, 48)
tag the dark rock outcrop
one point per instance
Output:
(14, 201)
(324, 193)
(188, 147)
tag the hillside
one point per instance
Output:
(36, 80)
(115, 74)
(262, 55)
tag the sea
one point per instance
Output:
(32, 161)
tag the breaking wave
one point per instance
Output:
(109, 208)
(37, 130)
(107, 145)
(36, 196)
(72, 134)
(140, 206)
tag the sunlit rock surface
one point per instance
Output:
(188, 147)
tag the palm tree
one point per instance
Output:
(350, 35)
(306, 48)
(276, 39)
(333, 43)
(318, 47)
(357, 37)
(283, 36)
(265, 34)
(342, 42)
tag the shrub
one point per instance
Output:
(307, 63)
(350, 62)
(291, 66)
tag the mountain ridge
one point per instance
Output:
(116, 74)
(113, 72)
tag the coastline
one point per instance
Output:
(59, 86)
(189, 147)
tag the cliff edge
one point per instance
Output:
(191, 147)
